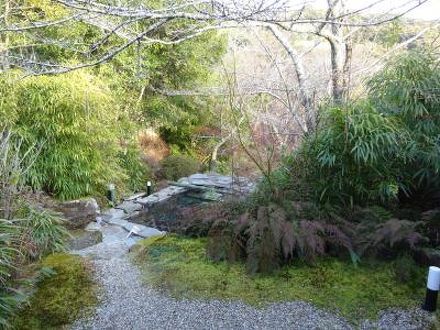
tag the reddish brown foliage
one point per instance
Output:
(153, 147)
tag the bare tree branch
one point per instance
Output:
(40, 25)
(207, 15)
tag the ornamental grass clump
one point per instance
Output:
(27, 233)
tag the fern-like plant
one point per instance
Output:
(265, 239)
(394, 234)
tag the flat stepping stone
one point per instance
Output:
(135, 196)
(110, 214)
(183, 181)
(143, 231)
(93, 226)
(117, 222)
(82, 239)
(129, 206)
(149, 232)
(221, 183)
(210, 180)
(161, 196)
(105, 250)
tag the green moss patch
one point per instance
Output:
(62, 297)
(180, 266)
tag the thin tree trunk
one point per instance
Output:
(213, 162)
(340, 52)
(304, 93)
(337, 73)
(347, 70)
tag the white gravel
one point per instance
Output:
(126, 303)
(129, 305)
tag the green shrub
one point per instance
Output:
(134, 167)
(175, 167)
(75, 119)
(62, 297)
(407, 90)
(15, 162)
(41, 232)
(10, 302)
(27, 233)
(379, 150)
(353, 158)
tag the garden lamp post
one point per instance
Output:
(111, 193)
(432, 288)
(149, 188)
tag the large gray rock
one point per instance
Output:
(78, 213)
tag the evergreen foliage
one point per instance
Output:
(175, 167)
(84, 119)
(136, 169)
(407, 91)
(75, 119)
(359, 149)
(383, 149)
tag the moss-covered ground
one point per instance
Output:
(60, 298)
(180, 266)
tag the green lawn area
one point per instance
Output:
(180, 266)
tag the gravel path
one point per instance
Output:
(127, 304)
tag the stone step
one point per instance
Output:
(135, 196)
(221, 183)
(143, 231)
(161, 195)
(129, 206)
(112, 214)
